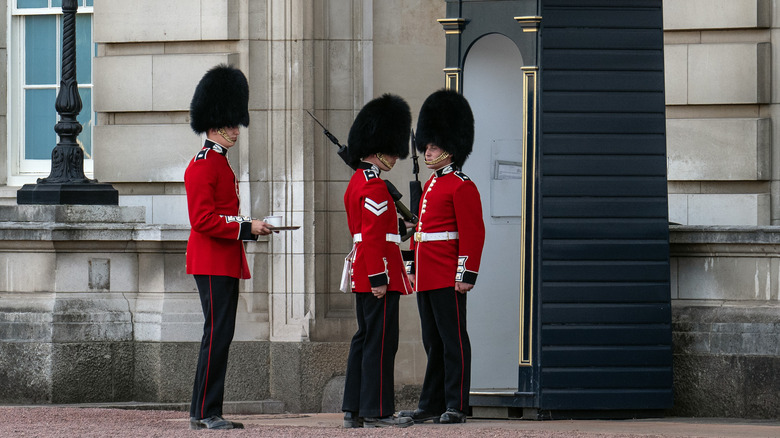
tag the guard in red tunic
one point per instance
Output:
(378, 137)
(215, 251)
(447, 250)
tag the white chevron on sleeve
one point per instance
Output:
(374, 207)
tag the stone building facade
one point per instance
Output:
(722, 146)
(94, 302)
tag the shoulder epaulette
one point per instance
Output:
(202, 154)
(370, 174)
(462, 176)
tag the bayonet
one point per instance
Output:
(344, 154)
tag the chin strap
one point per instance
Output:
(221, 131)
(444, 155)
(381, 158)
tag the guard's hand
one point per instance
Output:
(380, 291)
(411, 278)
(261, 228)
(463, 287)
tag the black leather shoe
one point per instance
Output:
(419, 416)
(214, 422)
(388, 421)
(351, 420)
(452, 416)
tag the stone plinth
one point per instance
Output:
(725, 313)
(95, 306)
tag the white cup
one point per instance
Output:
(274, 221)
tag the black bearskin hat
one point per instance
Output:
(446, 120)
(382, 126)
(221, 99)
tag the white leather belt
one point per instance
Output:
(395, 238)
(430, 237)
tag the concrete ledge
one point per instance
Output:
(743, 235)
(71, 213)
(81, 234)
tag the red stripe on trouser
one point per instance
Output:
(382, 357)
(211, 338)
(462, 361)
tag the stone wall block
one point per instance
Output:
(248, 374)
(169, 20)
(4, 134)
(728, 74)
(718, 149)
(725, 359)
(175, 365)
(92, 372)
(123, 83)
(93, 272)
(340, 238)
(181, 319)
(258, 17)
(151, 82)
(17, 275)
(720, 209)
(260, 85)
(343, 68)
(3, 73)
(716, 14)
(176, 278)
(676, 74)
(3, 30)
(724, 278)
(92, 320)
(127, 161)
(175, 77)
(711, 381)
(25, 374)
(301, 371)
(220, 20)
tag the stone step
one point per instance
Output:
(229, 408)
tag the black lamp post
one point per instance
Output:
(66, 183)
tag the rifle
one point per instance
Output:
(343, 152)
(415, 188)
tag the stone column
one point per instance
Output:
(310, 55)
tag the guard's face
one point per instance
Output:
(432, 152)
(232, 132)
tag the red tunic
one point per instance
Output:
(450, 202)
(371, 213)
(214, 246)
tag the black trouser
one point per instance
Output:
(219, 299)
(368, 389)
(446, 342)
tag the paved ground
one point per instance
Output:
(47, 421)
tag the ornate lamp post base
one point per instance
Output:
(67, 184)
(68, 193)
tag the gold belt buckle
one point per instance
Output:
(418, 237)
